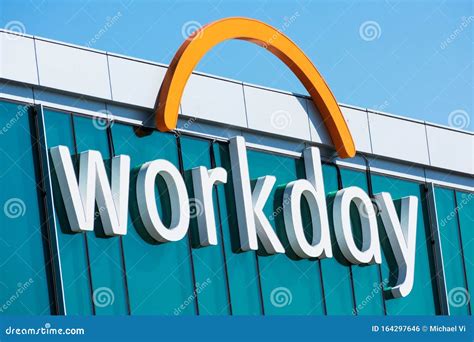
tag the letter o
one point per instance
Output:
(178, 198)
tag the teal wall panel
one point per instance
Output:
(181, 278)
(367, 282)
(289, 285)
(244, 284)
(448, 226)
(159, 275)
(72, 246)
(209, 265)
(336, 272)
(465, 206)
(23, 273)
(422, 299)
(105, 253)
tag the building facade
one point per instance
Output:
(52, 94)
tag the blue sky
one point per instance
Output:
(410, 58)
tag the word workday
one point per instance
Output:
(93, 187)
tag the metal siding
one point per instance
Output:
(17, 58)
(145, 78)
(399, 139)
(277, 113)
(451, 149)
(214, 100)
(73, 69)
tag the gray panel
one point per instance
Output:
(317, 128)
(18, 91)
(465, 182)
(358, 162)
(277, 113)
(293, 146)
(356, 121)
(451, 149)
(141, 116)
(135, 83)
(399, 139)
(70, 103)
(203, 128)
(214, 100)
(17, 58)
(72, 69)
(397, 169)
(359, 127)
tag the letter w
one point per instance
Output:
(93, 187)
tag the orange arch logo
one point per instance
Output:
(257, 32)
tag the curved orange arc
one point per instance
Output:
(254, 31)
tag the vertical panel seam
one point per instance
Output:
(213, 165)
(122, 250)
(437, 249)
(245, 105)
(86, 244)
(370, 132)
(427, 143)
(36, 61)
(109, 76)
(461, 248)
(190, 246)
(48, 212)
